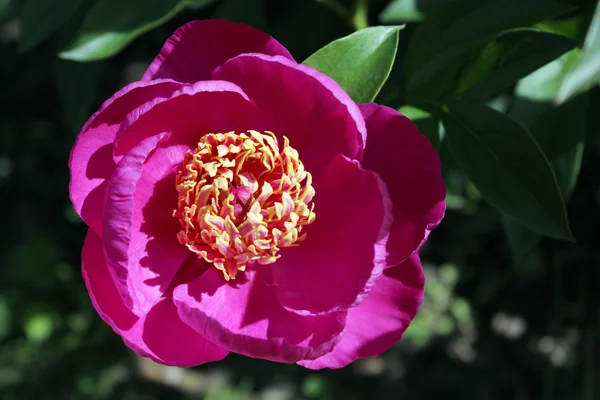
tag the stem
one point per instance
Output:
(361, 12)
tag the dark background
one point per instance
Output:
(490, 328)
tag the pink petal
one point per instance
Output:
(301, 103)
(244, 316)
(160, 334)
(101, 287)
(410, 167)
(191, 112)
(344, 250)
(381, 319)
(91, 161)
(197, 48)
(139, 230)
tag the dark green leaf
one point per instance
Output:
(41, 18)
(460, 26)
(533, 109)
(564, 152)
(521, 240)
(508, 58)
(112, 24)
(507, 166)
(567, 27)
(586, 72)
(360, 62)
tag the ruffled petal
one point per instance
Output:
(91, 161)
(381, 319)
(139, 230)
(244, 316)
(411, 170)
(344, 250)
(159, 334)
(299, 102)
(195, 110)
(197, 48)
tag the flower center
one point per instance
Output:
(241, 199)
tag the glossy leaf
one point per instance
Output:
(586, 72)
(360, 62)
(458, 27)
(532, 108)
(41, 18)
(508, 58)
(507, 166)
(112, 24)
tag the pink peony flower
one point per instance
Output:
(239, 201)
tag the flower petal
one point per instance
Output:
(299, 102)
(91, 161)
(411, 170)
(244, 316)
(381, 319)
(160, 334)
(344, 250)
(101, 287)
(139, 229)
(197, 48)
(191, 112)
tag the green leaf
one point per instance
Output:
(460, 26)
(564, 152)
(586, 73)
(548, 125)
(506, 166)
(41, 18)
(360, 62)
(568, 27)
(508, 58)
(113, 24)
(407, 10)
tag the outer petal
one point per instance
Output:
(344, 251)
(381, 319)
(91, 161)
(160, 334)
(139, 229)
(410, 167)
(195, 110)
(301, 103)
(244, 316)
(197, 48)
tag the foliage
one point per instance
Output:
(504, 89)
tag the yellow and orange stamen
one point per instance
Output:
(241, 199)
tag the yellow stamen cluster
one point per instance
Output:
(241, 199)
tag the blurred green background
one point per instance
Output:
(501, 320)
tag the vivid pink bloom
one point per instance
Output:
(239, 201)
